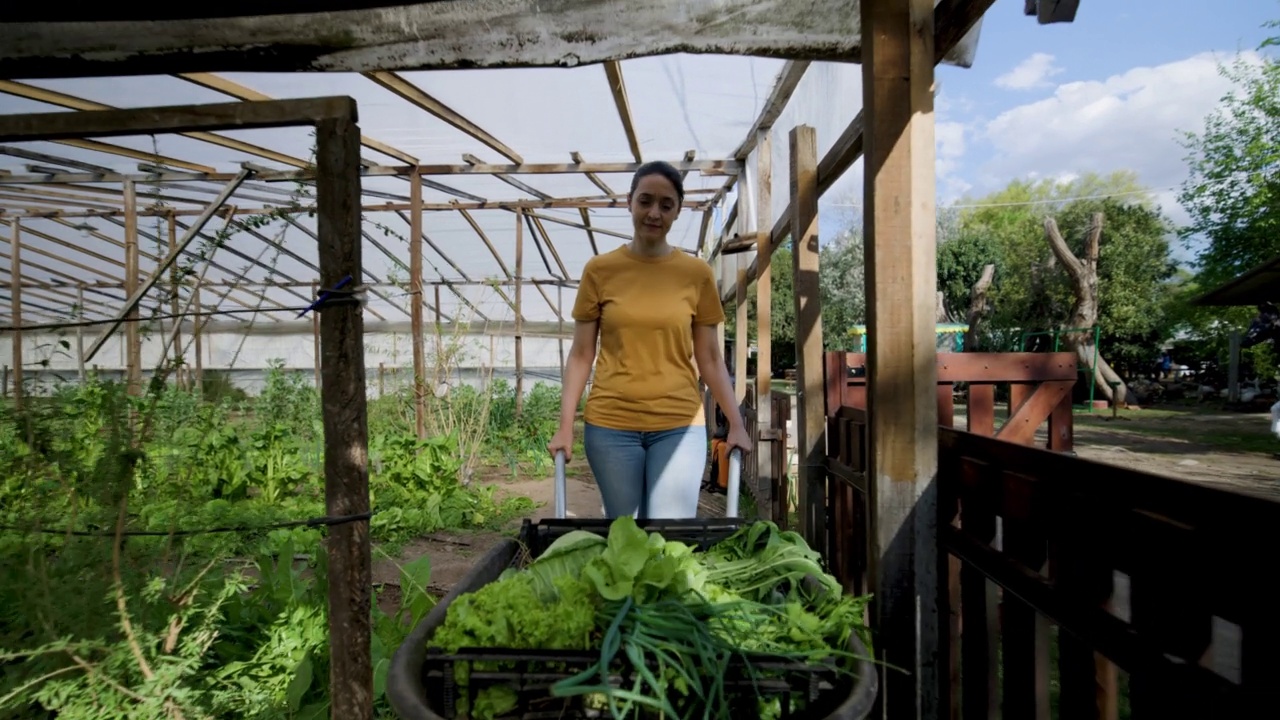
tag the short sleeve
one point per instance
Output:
(586, 306)
(710, 311)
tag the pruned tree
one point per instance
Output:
(1083, 273)
(979, 306)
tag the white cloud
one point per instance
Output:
(1034, 72)
(1131, 121)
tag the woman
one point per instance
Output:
(655, 311)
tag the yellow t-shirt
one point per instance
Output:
(645, 375)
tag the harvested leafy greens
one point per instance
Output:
(668, 627)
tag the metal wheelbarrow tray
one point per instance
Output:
(421, 685)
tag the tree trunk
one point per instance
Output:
(1084, 314)
(978, 307)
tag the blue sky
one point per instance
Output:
(1109, 91)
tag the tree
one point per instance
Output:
(1031, 292)
(1232, 191)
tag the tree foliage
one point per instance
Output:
(1031, 293)
(1232, 191)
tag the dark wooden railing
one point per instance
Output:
(1073, 589)
(1160, 577)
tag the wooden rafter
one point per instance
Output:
(122, 151)
(217, 83)
(708, 168)
(53, 97)
(412, 93)
(613, 73)
(595, 179)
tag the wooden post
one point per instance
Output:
(80, 333)
(197, 337)
(133, 338)
(315, 333)
(174, 308)
(741, 340)
(811, 415)
(345, 430)
(560, 322)
(415, 296)
(765, 482)
(15, 295)
(900, 238)
(519, 317)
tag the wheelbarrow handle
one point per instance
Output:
(731, 503)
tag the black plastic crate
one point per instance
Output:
(422, 686)
(532, 683)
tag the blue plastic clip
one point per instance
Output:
(325, 296)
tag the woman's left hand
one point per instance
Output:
(738, 438)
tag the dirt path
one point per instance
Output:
(453, 553)
(1232, 450)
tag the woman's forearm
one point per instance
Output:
(577, 368)
(716, 376)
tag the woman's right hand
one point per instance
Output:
(562, 440)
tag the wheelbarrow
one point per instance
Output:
(421, 684)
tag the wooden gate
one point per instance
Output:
(1039, 391)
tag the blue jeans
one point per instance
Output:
(654, 474)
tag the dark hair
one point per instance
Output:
(658, 167)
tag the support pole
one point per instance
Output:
(519, 280)
(197, 337)
(15, 295)
(315, 333)
(741, 339)
(811, 415)
(174, 280)
(415, 296)
(80, 334)
(765, 482)
(345, 430)
(560, 323)
(129, 314)
(900, 238)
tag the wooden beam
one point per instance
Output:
(217, 83)
(346, 436)
(811, 417)
(505, 205)
(710, 168)
(902, 462)
(415, 95)
(595, 179)
(952, 21)
(764, 317)
(135, 296)
(173, 119)
(15, 311)
(130, 315)
(415, 295)
(407, 36)
(519, 340)
(53, 97)
(26, 154)
(618, 87)
(122, 151)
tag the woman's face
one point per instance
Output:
(654, 206)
